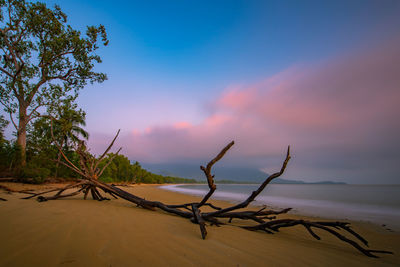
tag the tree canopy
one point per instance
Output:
(42, 60)
(121, 170)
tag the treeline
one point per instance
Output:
(121, 170)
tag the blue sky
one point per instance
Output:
(184, 52)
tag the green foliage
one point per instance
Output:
(34, 173)
(9, 151)
(69, 119)
(43, 60)
(121, 170)
(3, 125)
(5, 147)
(54, 56)
(66, 131)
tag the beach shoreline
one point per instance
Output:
(370, 206)
(77, 232)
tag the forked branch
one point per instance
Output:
(255, 193)
(100, 159)
(326, 226)
(210, 178)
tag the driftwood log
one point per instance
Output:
(264, 219)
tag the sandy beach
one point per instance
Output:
(77, 232)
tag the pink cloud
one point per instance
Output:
(237, 98)
(182, 125)
(342, 107)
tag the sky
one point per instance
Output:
(187, 77)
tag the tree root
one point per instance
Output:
(275, 225)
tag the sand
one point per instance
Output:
(77, 232)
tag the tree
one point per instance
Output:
(42, 61)
(67, 130)
(70, 119)
(4, 144)
(69, 123)
(3, 125)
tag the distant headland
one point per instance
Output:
(223, 175)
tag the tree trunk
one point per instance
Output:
(58, 161)
(57, 165)
(21, 133)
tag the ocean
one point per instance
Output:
(373, 203)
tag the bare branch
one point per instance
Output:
(108, 163)
(53, 190)
(275, 225)
(66, 165)
(199, 220)
(209, 176)
(106, 151)
(254, 193)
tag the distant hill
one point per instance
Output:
(193, 171)
(285, 181)
(223, 174)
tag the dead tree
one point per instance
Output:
(10, 191)
(264, 219)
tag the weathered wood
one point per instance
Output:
(42, 199)
(326, 226)
(190, 204)
(257, 216)
(199, 220)
(106, 151)
(10, 190)
(255, 193)
(59, 190)
(93, 193)
(85, 192)
(210, 178)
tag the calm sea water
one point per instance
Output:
(375, 203)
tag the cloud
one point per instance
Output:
(340, 116)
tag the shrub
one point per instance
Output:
(35, 174)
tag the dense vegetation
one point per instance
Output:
(121, 170)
